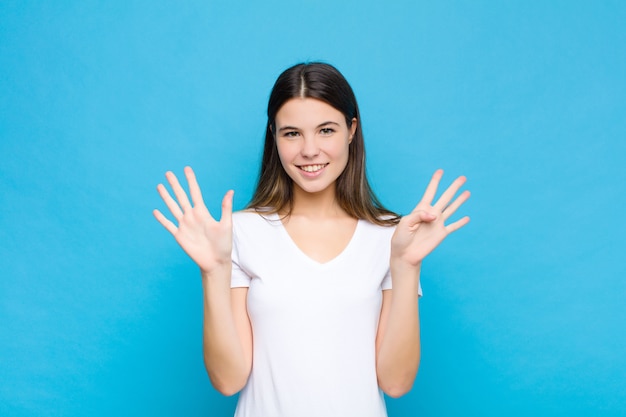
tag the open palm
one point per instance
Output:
(207, 241)
(421, 231)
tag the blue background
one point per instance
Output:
(523, 313)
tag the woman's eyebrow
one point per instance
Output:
(330, 122)
(287, 128)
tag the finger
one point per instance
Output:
(171, 227)
(227, 207)
(194, 188)
(453, 227)
(170, 202)
(419, 216)
(431, 189)
(181, 195)
(447, 195)
(449, 211)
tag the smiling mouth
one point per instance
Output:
(312, 168)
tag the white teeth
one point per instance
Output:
(312, 168)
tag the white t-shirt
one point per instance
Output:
(314, 325)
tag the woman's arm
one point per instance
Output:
(417, 234)
(227, 337)
(398, 338)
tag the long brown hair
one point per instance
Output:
(274, 191)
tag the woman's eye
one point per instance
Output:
(327, 131)
(291, 134)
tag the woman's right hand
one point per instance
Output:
(207, 241)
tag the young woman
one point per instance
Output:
(299, 310)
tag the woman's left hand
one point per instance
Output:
(421, 231)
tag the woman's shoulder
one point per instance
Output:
(250, 217)
(371, 228)
(251, 227)
(244, 212)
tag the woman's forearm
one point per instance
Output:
(399, 350)
(227, 360)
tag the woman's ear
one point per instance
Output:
(352, 129)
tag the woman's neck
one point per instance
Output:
(322, 204)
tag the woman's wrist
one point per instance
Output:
(398, 262)
(403, 270)
(218, 272)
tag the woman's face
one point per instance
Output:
(313, 142)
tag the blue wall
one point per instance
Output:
(523, 313)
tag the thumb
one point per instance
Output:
(227, 207)
(420, 216)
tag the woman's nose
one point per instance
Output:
(310, 147)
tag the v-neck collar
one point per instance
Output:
(277, 220)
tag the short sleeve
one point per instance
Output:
(239, 277)
(386, 284)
